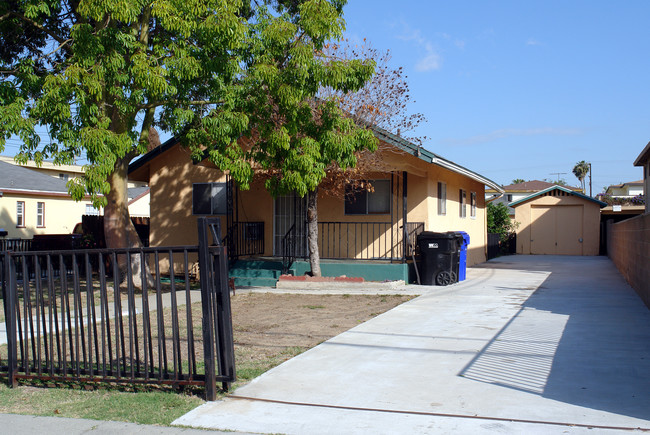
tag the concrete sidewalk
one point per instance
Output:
(528, 344)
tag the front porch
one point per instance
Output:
(265, 271)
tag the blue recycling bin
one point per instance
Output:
(463, 238)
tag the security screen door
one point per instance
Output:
(290, 209)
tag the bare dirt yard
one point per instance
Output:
(270, 328)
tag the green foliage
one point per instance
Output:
(580, 170)
(498, 220)
(98, 75)
(518, 181)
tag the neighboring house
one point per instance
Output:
(644, 160)
(558, 221)
(625, 190)
(138, 192)
(139, 198)
(413, 188)
(624, 201)
(62, 172)
(34, 203)
(515, 192)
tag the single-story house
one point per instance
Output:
(558, 221)
(34, 203)
(414, 190)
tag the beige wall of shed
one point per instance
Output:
(590, 221)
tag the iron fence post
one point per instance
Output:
(224, 320)
(206, 305)
(9, 286)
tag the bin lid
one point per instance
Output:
(464, 235)
(434, 235)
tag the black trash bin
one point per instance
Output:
(438, 258)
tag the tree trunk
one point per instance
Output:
(119, 231)
(312, 232)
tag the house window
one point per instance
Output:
(509, 197)
(462, 199)
(20, 214)
(64, 177)
(363, 202)
(472, 210)
(40, 214)
(442, 198)
(209, 199)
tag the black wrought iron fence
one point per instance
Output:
(140, 318)
(365, 240)
(244, 239)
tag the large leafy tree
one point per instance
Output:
(100, 75)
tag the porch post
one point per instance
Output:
(392, 216)
(404, 214)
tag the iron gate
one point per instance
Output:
(84, 315)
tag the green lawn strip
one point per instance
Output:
(145, 407)
(109, 403)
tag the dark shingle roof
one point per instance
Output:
(134, 192)
(14, 177)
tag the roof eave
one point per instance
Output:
(643, 157)
(430, 157)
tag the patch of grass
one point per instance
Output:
(250, 368)
(314, 307)
(145, 407)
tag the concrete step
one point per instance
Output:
(254, 273)
(255, 282)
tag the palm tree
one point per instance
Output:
(580, 170)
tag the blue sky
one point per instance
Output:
(522, 89)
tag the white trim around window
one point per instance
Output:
(462, 201)
(20, 214)
(40, 215)
(442, 198)
(472, 203)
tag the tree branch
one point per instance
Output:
(155, 104)
(56, 37)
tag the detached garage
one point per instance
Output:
(558, 221)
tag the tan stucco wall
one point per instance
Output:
(171, 176)
(61, 215)
(476, 226)
(525, 214)
(628, 245)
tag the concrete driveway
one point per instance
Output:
(528, 344)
